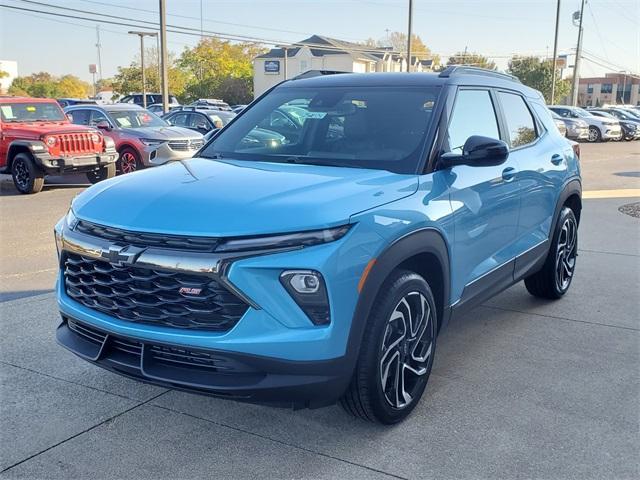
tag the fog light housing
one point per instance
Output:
(307, 288)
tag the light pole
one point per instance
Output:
(163, 56)
(285, 48)
(409, 35)
(576, 66)
(144, 87)
(555, 56)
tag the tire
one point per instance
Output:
(554, 279)
(27, 177)
(594, 135)
(108, 171)
(129, 161)
(374, 391)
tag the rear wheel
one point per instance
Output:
(129, 161)
(594, 135)
(556, 275)
(107, 171)
(397, 351)
(27, 177)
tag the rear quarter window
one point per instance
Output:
(520, 122)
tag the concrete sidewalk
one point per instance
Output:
(521, 388)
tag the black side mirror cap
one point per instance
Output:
(478, 151)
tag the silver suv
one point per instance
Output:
(600, 128)
(142, 138)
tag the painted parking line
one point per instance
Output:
(622, 193)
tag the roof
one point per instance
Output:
(11, 99)
(336, 47)
(477, 77)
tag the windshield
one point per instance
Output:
(581, 112)
(136, 119)
(32, 112)
(604, 114)
(627, 114)
(220, 119)
(367, 127)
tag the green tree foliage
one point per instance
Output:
(44, 84)
(398, 42)
(219, 69)
(473, 59)
(129, 79)
(537, 73)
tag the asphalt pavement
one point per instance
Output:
(521, 387)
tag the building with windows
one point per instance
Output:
(613, 88)
(323, 53)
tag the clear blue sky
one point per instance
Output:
(494, 28)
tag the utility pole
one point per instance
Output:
(164, 61)
(201, 21)
(285, 48)
(624, 85)
(576, 66)
(144, 83)
(158, 60)
(555, 56)
(409, 35)
(99, 46)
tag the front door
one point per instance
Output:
(485, 201)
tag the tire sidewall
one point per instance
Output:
(565, 213)
(394, 290)
(34, 174)
(598, 136)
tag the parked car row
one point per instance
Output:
(598, 124)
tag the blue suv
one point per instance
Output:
(321, 267)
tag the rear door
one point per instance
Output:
(543, 169)
(485, 201)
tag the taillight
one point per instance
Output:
(576, 149)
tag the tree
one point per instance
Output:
(473, 59)
(44, 84)
(537, 73)
(398, 43)
(219, 69)
(129, 79)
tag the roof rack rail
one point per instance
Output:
(460, 69)
(315, 73)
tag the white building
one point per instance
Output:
(324, 53)
(11, 68)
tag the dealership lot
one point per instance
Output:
(520, 387)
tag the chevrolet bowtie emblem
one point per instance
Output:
(121, 255)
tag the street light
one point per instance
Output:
(142, 35)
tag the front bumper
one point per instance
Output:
(236, 376)
(611, 133)
(159, 155)
(63, 164)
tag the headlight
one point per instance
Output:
(151, 142)
(300, 239)
(308, 289)
(50, 141)
(71, 220)
(95, 138)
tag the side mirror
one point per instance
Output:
(478, 151)
(103, 125)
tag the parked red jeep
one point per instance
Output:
(37, 138)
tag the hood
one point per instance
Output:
(35, 130)
(162, 133)
(575, 121)
(236, 198)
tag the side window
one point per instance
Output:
(473, 114)
(199, 122)
(520, 122)
(80, 117)
(97, 117)
(179, 120)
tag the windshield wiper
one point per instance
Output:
(215, 156)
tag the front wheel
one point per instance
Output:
(107, 171)
(129, 161)
(397, 351)
(594, 135)
(554, 279)
(27, 178)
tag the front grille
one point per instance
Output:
(151, 296)
(186, 145)
(76, 143)
(139, 239)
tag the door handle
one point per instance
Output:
(508, 174)
(557, 159)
